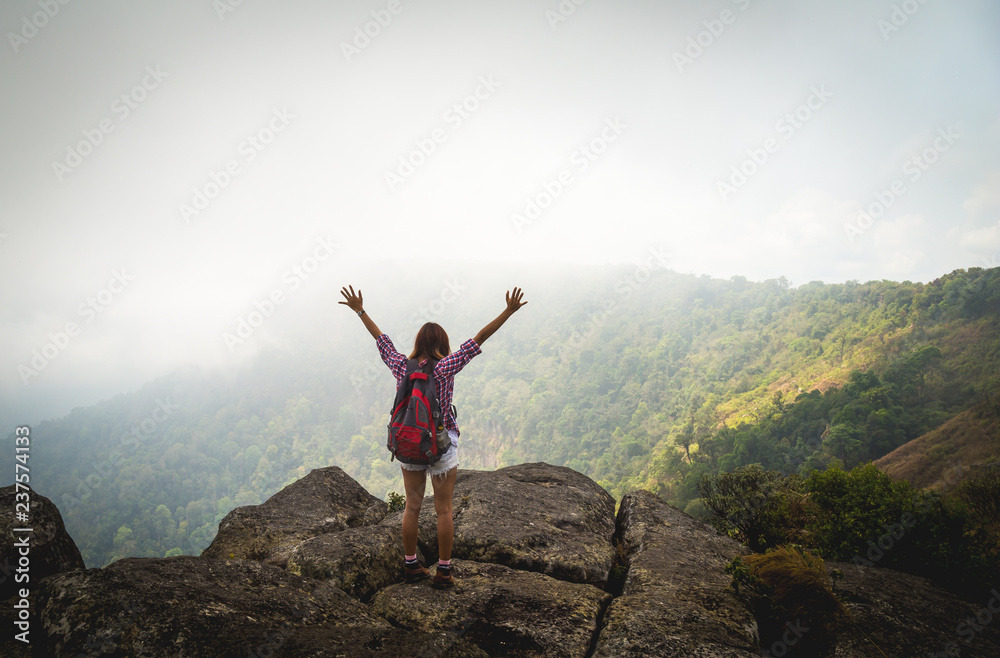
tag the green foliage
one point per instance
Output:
(865, 517)
(677, 381)
(862, 516)
(397, 502)
(750, 505)
(982, 495)
(856, 507)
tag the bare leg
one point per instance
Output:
(413, 483)
(444, 488)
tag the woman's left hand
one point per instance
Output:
(514, 300)
(355, 302)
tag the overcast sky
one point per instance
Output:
(175, 161)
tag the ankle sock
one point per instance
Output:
(444, 564)
(411, 560)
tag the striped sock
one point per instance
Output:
(444, 564)
(411, 560)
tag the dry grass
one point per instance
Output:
(948, 455)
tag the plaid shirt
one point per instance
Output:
(444, 372)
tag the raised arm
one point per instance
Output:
(513, 304)
(355, 302)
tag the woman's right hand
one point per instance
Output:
(355, 302)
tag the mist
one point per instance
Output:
(176, 173)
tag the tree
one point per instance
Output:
(685, 437)
(844, 441)
(749, 504)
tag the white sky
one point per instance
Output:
(553, 87)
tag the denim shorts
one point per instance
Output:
(443, 465)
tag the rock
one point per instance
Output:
(544, 537)
(504, 611)
(676, 599)
(324, 501)
(905, 615)
(190, 606)
(359, 561)
(535, 517)
(51, 550)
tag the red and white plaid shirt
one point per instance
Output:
(444, 372)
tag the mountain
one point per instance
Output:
(638, 377)
(950, 454)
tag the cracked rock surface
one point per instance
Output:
(543, 567)
(324, 501)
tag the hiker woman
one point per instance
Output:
(431, 343)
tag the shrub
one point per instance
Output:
(855, 507)
(865, 517)
(396, 502)
(753, 506)
(982, 495)
(789, 593)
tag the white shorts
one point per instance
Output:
(443, 465)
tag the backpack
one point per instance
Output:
(416, 424)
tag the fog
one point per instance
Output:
(170, 169)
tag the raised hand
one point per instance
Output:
(514, 300)
(513, 303)
(355, 302)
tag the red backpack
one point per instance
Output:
(416, 426)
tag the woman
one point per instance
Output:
(432, 343)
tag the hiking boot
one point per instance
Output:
(443, 578)
(415, 574)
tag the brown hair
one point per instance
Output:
(432, 341)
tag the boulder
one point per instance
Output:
(504, 611)
(51, 550)
(898, 614)
(535, 517)
(359, 561)
(676, 599)
(324, 501)
(190, 606)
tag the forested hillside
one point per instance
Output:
(635, 377)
